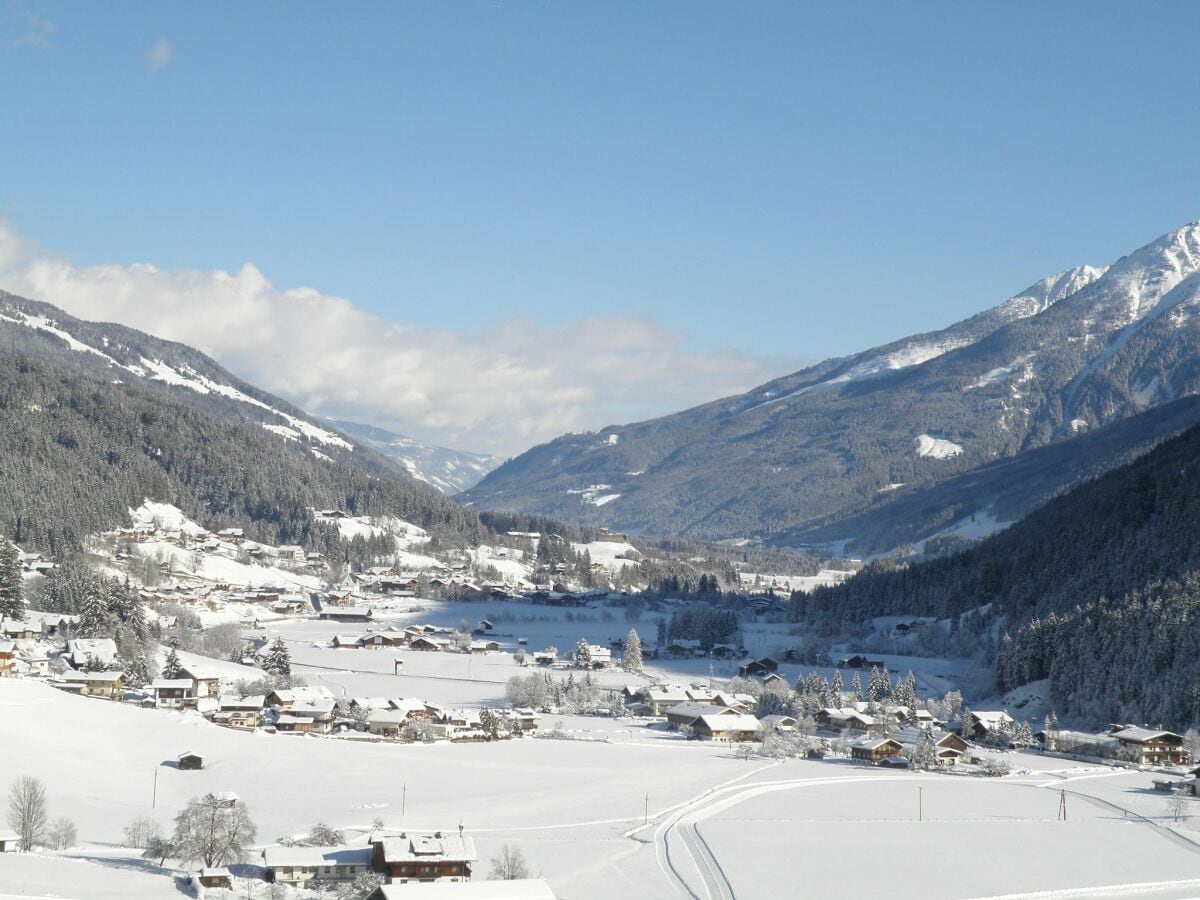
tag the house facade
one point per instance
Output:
(436, 856)
(298, 866)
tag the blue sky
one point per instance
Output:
(784, 181)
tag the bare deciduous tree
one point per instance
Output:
(27, 814)
(213, 831)
(140, 832)
(509, 865)
(62, 834)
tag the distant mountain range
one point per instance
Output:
(450, 471)
(925, 424)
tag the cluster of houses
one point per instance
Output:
(426, 638)
(23, 643)
(412, 863)
(227, 542)
(298, 710)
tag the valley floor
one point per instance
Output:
(719, 826)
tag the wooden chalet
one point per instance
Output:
(215, 877)
(764, 666)
(105, 685)
(346, 614)
(1151, 747)
(190, 760)
(172, 693)
(728, 727)
(875, 750)
(417, 857)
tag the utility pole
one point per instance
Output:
(154, 797)
(1062, 805)
(403, 798)
(920, 804)
(647, 819)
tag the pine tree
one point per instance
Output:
(874, 685)
(172, 665)
(924, 755)
(836, 687)
(632, 660)
(94, 620)
(11, 583)
(278, 661)
(137, 670)
(583, 654)
(856, 688)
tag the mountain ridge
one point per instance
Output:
(1073, 352)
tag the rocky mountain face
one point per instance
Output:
(1073, 354)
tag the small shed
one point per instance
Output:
(215, 878)
(9, 841)
(191, 760)
(398, 667)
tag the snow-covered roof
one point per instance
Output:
(990, 719)
(167, 684)
(257, 701)
(297, 694)
(312, 857)
(426, 846)
(93, 676)
(1136, 735)
(874, 743)
(730, 722)
(103, 650)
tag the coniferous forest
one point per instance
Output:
(1099, 591)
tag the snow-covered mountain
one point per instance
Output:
(1074, 352)
(124, 355)
(450, 471)
(102, 417)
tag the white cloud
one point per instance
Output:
(160, 54)
(26, 29)
(499, 390)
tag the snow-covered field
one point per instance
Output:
(576, 808)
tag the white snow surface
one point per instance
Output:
(194, 381)
(610, 554)
(936, 448)
(724, 826)
(163, 516)
(595, 494)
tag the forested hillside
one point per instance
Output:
(80, 452)
(1099, 591)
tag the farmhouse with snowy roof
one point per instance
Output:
(875, 750)
(727, 726)
(1151, 747)
(98, 651)
(436, 856)
(106, 685)
(297, 866)
(983, 723)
